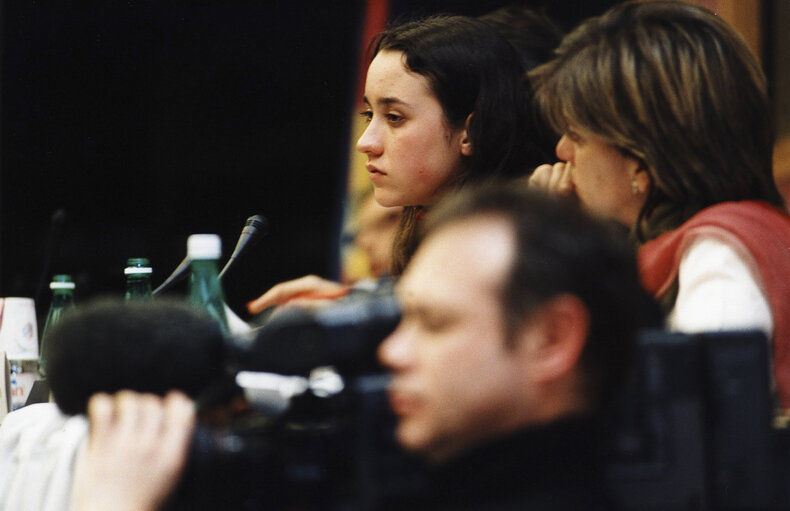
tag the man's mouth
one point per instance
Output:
(402, 403)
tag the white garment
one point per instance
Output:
(38, 445)
(719, 290)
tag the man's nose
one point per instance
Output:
(395, 351)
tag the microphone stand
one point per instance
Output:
(255, 228)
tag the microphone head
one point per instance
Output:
(256, 225)
(255, 228)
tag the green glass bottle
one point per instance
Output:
(203, 251)
(138, 279)
(62, 300)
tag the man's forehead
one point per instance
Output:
(470, 255)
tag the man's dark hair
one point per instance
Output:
(109, 345)
(559, 249)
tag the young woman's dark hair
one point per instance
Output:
(472, 70)
(447, 103)
(533, 34)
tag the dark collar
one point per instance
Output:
(556, 463)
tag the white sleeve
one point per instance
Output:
(38, 445)
(717, 291)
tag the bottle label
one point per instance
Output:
(137, 270)
(24, 374)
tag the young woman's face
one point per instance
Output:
(412, 153)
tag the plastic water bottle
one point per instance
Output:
(205, 290)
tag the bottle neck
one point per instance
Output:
(138, 287)
(203, 260)
(62, 298)
(204, 267)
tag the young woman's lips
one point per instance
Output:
(374, 173)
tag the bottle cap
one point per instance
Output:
(61, 281)
(138, 270)
(204, 246)
(137, 266)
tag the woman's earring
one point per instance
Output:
(634, 187)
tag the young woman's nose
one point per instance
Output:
(369, 142)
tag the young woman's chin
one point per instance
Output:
(387, 198)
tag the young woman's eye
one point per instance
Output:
(394, 118)
(367, 115)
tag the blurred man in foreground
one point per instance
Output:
(518, 318)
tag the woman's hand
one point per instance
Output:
(305, 291)
(136, 451)
(554, 179)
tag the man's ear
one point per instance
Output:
(554, 338)
(466, 141)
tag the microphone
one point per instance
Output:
(178, 275)
(254, 229)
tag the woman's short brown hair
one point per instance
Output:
(674, 86)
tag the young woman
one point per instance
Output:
(665, 122)
(446, 104)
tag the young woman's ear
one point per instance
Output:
(466, 141)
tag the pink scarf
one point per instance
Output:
(761, 235)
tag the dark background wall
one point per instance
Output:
(139, 123)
